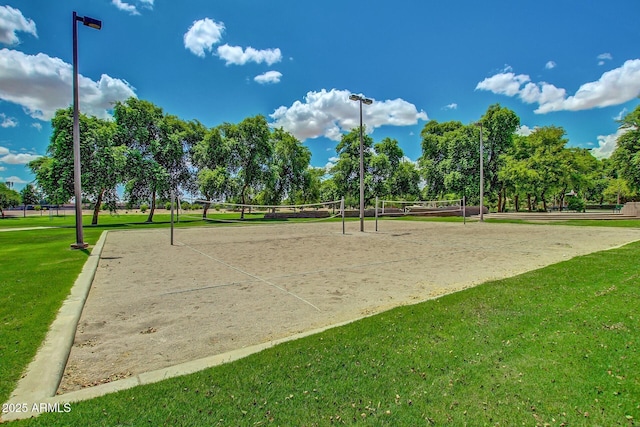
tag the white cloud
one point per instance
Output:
(131, 8)
(202, 35)
(452, 106)
(603, 57)
(621, 115)
(37, 126)
(330, 113)
(125, 7)
(7, 157)
(268, 77)
(18, 159)
(613, 88)
(2, 169)
(607, 144)
(524, 130)
(505, 83)
(14, 179)
(238, 56)
(7, 122)
(42, 84)
(331, 163)
(11, 21)
(550, 65)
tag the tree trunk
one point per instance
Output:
(516, 201)
(153, 206)
(500, 208)
(96, 209)
(24, 211)
(529, 201)
(205, 209)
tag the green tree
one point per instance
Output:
(311, 190)
(287, 170)
(405, 181)
(210, 157)
(499, 124)
(392, 176)
(101, 159)
(156, 144)
(29, 196)
(44, 170)
(617, 191)
(548, 161)
(250, 151)
(346, 171)
(450, 160)
(517, 177)
(626, 156)
(8, 198)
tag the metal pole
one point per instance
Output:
(481, 177)
(76, 143)
(173, 198)
(361, 174)
(342, 212)
(376, 213)
(464, 210)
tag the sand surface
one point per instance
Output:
(153, 305)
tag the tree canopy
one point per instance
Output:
(150, 154)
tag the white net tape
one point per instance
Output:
(420, 207)
(230, 212)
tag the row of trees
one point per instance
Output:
(537, 169)
(150, 153)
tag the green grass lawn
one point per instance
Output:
(556, 346)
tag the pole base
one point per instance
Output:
(79, 245)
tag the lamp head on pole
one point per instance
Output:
(364, 100)
(90, 22)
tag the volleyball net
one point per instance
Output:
(222, 211)
(454, 207)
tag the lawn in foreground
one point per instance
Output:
(557, 345)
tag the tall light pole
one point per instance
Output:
(93, 23)
(361, 100)
(481, 174)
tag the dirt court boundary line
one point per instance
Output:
(253, 276)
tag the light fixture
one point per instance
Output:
(367, 101)
(77, 185)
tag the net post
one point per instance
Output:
(376, 213)
(342, 212)
(173, 197)
(464, 210)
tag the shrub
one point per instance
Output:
(576, 204)
(144, 207)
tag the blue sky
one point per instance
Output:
(573, 64)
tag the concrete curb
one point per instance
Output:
(43, 375)
(181, 369)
